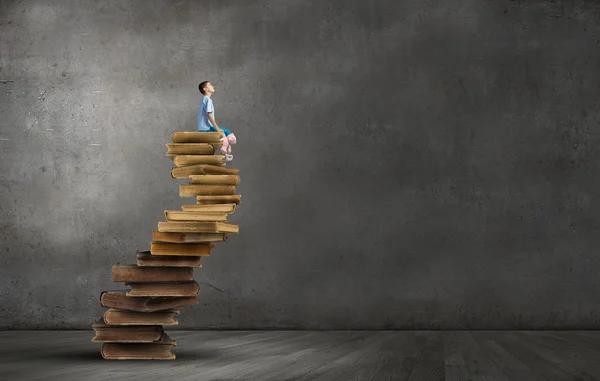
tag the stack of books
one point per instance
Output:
(162, 280)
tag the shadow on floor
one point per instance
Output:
(80, 356)
(196, 354)
(93, 355)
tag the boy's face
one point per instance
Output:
(210, 88)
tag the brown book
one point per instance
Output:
(164, 289)
(196, 137)
(185, 161)
(106, 333)
(184, 172)
(123, 317)
(119, 300)
(133, 273)
(187, 237)
(160, 350)
(196, 249)
(213, 208)
(190, 149)
(193, 215)
(215, 179)
(197, 227)
(192, 190)
(144, 259)
(221, 199)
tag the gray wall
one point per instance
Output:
(404, 164)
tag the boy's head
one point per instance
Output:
(206, 88)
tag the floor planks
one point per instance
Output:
(315, 356)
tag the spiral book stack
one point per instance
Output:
(162, 280)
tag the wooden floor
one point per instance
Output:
(302, 355)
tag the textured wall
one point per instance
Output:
(404, 164)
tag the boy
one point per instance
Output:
(206, 119)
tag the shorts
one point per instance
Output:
(226, 131)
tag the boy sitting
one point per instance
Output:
(206, 119)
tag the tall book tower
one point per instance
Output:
(162, 280)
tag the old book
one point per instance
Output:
(107, 333)
(184, 172)
(146, 259)
(197, 227)
(187, 237)
(192, 190)
(183, 161)
(196, 137)
(119, 300)
(215, 179)
(164, 289)
(193, 215)
(219, 199)
(160, 350)
(197, 249)
(124, 317)
(190, 149)
(133, 273)
(221, 208)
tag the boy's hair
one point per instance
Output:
(202, 85)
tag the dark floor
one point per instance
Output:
(302, 355)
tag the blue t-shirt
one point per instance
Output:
(206, 106)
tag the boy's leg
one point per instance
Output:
(231, 139)
(225, 146)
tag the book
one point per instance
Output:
(106, 333)
(190, 149)
(119, 300)
(160, 350)
(196, 249)
(184, 172)
(123, 317)
(183, 161)
(163, 289)
(192, 190)
(133, 273)
(193, 215)
(196, 137)
(177, 237)
(144, 259)
(221, 208)
(197, 227)
(218, 199)
(215, 179)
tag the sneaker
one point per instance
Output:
(228, 157)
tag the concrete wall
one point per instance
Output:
(404, 164)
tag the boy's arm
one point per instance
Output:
(212, 121)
